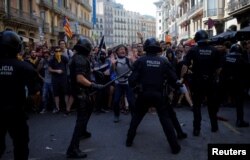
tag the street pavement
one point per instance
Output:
(50, 135)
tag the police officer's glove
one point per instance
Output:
(97, 86)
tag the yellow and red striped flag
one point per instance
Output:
(67, 28)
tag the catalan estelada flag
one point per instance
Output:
(67, 28)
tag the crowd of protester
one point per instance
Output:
(53, 91)
(199, 73)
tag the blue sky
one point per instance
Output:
(141, 6)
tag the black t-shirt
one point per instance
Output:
(79, 65)
(54, 64)
(14, 76)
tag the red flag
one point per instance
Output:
(67, 28)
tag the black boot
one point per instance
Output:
(76, 154)
(196, 132)
(85, 135)
(242, 124)
(214, 129)
(129, 141)
(176, 149)
(181, 135)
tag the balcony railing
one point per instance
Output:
(214, 12)
(85, 22)
(183, 18)
(23, 17)
(195, 8)
(178, 2)
(86, 4)
(46, 3)
(70, 15)
(2, 7)
(234, 5)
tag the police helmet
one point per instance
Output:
(10, 44)
(200, 35)
(83, 46)
(236, 48)
(152, 45)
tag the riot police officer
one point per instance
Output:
(150, 72)
(80, 71)
(205, 61)
(14, 76)
(234, 75)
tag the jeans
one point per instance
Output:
(47, 92)
(120, 89)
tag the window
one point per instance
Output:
(192, 3)
(159, 20)
(160, 28)
(212, 8)
(159, 13)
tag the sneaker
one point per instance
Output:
(126, 112)
(55, 111)
(67, 113)
(43, 111)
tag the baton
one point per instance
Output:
(110, 82)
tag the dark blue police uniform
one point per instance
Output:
(15, 75)
(150, 72)
(234, 75)
(80, 67)
(205, 61)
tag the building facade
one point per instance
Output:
(160, 10)
(239, 10)
(185, 17)
(121, 26)
(42, 20)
